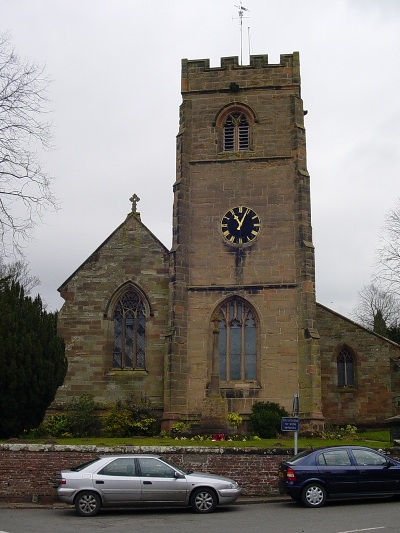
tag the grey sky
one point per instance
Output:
(116, 92)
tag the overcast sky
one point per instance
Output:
(115, 66)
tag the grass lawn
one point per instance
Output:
(373, 439)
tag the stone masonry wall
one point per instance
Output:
(132, 255)
(371, 400)
(275, 274)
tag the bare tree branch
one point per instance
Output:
(376, 301)
(25, 189)
(388, 253)
(19, 271)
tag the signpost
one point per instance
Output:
(291, 423)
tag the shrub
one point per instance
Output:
(234, 419)
(128, 418)
(117, 423)
(180, 427)
(339, 432)
(82, 418)
(56, 426)
(53, 426)
(266, 418)
(146, 426)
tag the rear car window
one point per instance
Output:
(123, 466)
(295, 458)
(84, 465)
(334, 458)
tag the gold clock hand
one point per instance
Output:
(243, 217)
(237, 220)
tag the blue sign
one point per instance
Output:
(290, 423)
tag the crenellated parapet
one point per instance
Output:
(197, 74)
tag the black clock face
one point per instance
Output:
(240, 225)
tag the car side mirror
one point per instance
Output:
(178, 475)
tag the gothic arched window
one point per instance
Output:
(236, 132)
(345, 368)
(129, 331)
(237, 342)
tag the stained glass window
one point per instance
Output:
(345, 368)
(129, 331)
(237, 342)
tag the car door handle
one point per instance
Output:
(99, 482)
(147, 483)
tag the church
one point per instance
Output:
(228, 316)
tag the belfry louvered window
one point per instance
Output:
(345, 368)
(237, 342)
(129, 332)
(236, 133)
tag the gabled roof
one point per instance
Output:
(358, 325)
(137, 217)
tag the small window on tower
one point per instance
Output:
(236, 133)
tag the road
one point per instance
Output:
(377, 516)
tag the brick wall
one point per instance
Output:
(28, 472)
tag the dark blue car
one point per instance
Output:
(338, 472)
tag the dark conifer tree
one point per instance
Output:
(394, 333)
(32, 360)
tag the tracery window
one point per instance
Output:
(236, 132)
(129, 331)
(237, 342)
(345, 368)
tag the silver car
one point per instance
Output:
(138, 480)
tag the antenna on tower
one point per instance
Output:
(241, 9)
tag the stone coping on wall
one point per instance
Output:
(155, 450)
(126, 449)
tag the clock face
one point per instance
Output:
(240, 225)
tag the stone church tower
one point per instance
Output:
(228, 316)
(242, 257)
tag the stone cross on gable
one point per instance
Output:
(134, 199)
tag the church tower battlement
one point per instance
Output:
(196, 73)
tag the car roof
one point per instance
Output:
(310, 452)
(131, 455)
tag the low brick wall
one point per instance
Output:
(28, 471)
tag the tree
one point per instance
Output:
(394, 333)
(24, 186)
(32, 360)
(388, 263)
(18, 270)
(377, 309)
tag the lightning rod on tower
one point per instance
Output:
(241, 9)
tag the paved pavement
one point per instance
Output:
(243, 500)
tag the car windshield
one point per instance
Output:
(181, 470)
(84, 465)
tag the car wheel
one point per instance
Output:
(313, 495)
(203, 500)
(87, 503)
